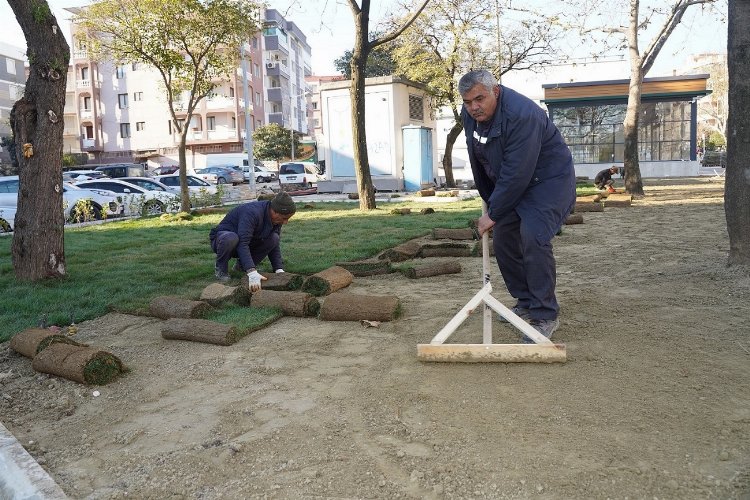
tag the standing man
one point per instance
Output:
(603, 179)
(250, 232)
(524, 172)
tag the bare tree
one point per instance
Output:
(362, 48)
(38, 249)
(737, 191)
(450, 38)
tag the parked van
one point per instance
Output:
(123, 170)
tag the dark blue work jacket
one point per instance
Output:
(252, 223)
(532, 165)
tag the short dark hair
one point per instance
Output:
(477, 76)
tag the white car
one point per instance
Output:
(135, 199)
(84, 175)
(195, 184)
(73, 196)
(262, 174)
(7, 219)
(298, 174)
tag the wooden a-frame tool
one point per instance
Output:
(541, 351)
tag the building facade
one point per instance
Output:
(119, 112)
(12, 83)
(287, 63)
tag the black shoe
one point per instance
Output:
(221, 275)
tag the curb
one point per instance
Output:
(20, 475)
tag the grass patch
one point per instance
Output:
(245, 319)
(122, 265)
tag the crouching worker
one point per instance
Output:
(251, 232)
(603, 179)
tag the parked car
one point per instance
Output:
(194, 183)
(83, 175)
(73, 196)
(298, 174)
(136, 199)
(262, 174)
(123, 170)
(165, 170)
(7, 219)
(149, 183)
(220, 175)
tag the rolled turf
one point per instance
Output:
(34, 340)
(86, 365)
(450, 267)
(166, 307)
(278, 281)
(343, 306)
(327, 281)
(366, 268)
(299, 304)
(200, 330)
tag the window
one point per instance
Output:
(231, 91)
(89, 132)
(134, 66)
(122, 100)
(258, 124)
(257, 98)
(211, 122)
(120, 71)
(256, 70)
(234, 122)
(139, 126)
(87, 103)
(124, 130)
(137, 96)
(10, 65)
(84, 73)
(169, 127)
(255, 43)
(416, 108)
(315, 105)
(12, 91)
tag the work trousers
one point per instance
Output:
(527, 265)
(225, 247)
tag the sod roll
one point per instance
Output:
(199, 330)
(450, 267)
(299, 304)
(32, 341)
(166, 307)
(574, 219)
(86, 365)
(447, 250)
(453, 234)
(404, 251)
(217, 294)
(588, 207)
(278, 281)
(618, 200)
(366, 268)
(344, 306)
(327, 281)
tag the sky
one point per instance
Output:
(328, 25)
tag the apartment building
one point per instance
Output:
(119, 112)
(12, 83)
(315, 119)
(287, 58)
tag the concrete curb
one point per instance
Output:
(21, 477)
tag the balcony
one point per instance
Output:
(222, 134)
(81, 54)
(277, 69)
(219, 102)
(83, 84)
(88, 143)
(275, 43)
(277, 118)
(275, 95)
(86, 114)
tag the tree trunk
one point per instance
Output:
(633, 181)
(37, 121)
(737, 190)
(450, 140)
(184, 191)
(359, 136)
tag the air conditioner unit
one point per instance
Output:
(270, 65)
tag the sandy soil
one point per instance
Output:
(654, 401)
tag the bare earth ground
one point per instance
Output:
(654, 401)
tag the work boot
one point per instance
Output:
(221, 275)
(521, 312)
(544, 326)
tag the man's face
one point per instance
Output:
(279, 219)
(481, 102)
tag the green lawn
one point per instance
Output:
(122, 265)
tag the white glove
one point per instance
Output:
(254, 278)
(279, 270)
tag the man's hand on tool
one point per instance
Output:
(484, 224)
(254, 278)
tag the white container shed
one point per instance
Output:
(394, 108)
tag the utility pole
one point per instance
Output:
(248, 124)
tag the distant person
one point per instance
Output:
(524, 172)
(603, 179)
(250, 233)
